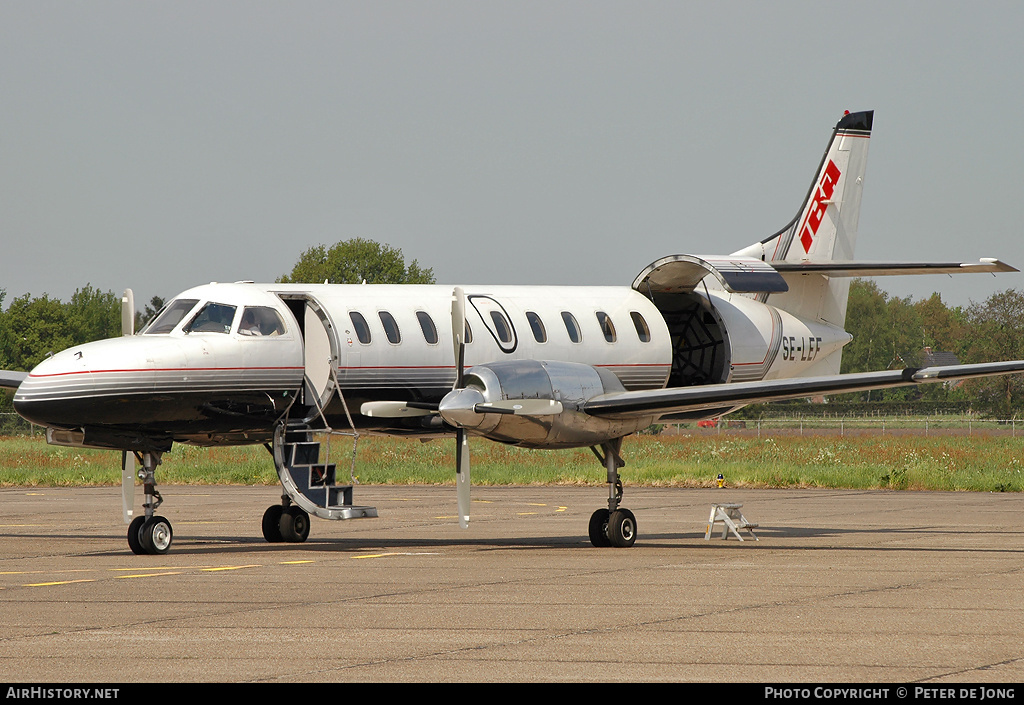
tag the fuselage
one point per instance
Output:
(223, 362)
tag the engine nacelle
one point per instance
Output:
(570, 383)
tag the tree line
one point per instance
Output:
(888, 332)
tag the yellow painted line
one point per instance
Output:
(526, 514)
(295, 562)
(561, 509)
(395, 553)
(147, 575)
(17, 526)
(231, 567)
(535, 504)
(60, 582)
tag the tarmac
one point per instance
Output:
(843, 586)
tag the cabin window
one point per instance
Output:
(390, 327)
(642, 331)
(212, 318)
(261, 320)
(607, 327)
(572, 327)
(501, 327)
(540, 334)
(428, 327)
(361, 326)
(170, 316)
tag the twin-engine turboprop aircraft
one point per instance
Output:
(533, 366)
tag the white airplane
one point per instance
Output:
(694, 337)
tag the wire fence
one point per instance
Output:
(853, 425)
(13, 425)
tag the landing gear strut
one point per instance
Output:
(150, 533)
(614, 526)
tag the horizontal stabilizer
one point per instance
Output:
(881, 269)
(659, 402)
(10, 379)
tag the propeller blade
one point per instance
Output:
(521, 407)
(393, 409)
(127, 486)
(128, 313)
(459, 333)
(462, 476)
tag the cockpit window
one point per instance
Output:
(212, 318)
(170, 316)
(261, 320)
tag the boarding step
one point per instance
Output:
(311, 484)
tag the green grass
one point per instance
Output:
(981, 462)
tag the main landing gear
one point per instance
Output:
(614, 526)
(150, 533)
(285, 522)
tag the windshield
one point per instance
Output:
(212, 318)
(170, 316)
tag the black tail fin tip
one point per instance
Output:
(857, 121)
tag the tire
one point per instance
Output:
(156, 536)
(272, 524)
(294, 524)
(135, 535)
(622, 528)
(599, 529)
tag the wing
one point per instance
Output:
(10, 379)
(660, 402)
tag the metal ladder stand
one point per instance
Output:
(309, 483)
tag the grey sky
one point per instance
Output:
(163, 145)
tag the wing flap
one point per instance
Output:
(715, 396)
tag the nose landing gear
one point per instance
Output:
(150, 533)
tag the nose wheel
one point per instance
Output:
(150, 533)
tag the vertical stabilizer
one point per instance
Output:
(825, 227)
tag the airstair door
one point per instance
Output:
(320, 355)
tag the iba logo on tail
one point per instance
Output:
(812, 221)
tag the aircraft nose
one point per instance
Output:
(43, 397)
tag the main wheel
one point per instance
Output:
(294, 524)
(134, 535)
(272, 524)
(599, 529)
(622, 528)
(156, 535)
